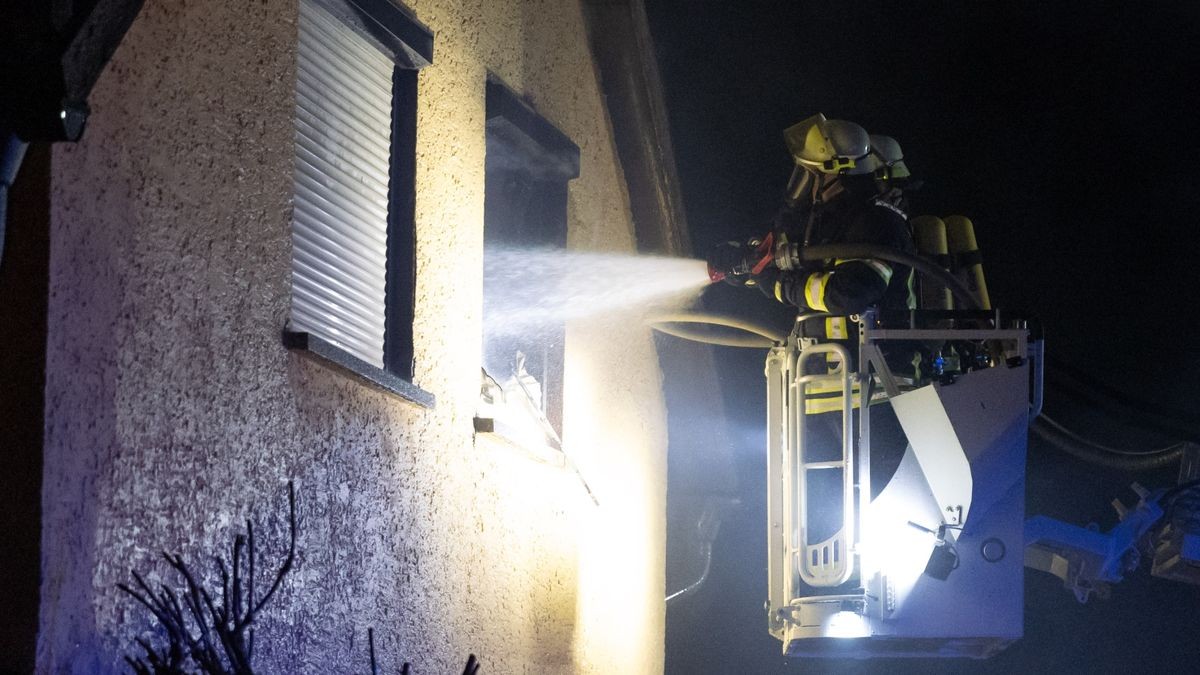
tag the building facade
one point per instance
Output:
(177, 407)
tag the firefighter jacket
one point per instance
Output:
(849, 286)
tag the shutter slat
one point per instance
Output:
(330, 271)
(319, 113)
(346, 71)
(326, 191)
(346, 46)
(336, 302)
(340, 101)
(342, 145)
(346, 174)
(310, 225)
(313, 132)
(334, 305)
(303, 320)
(314, 307)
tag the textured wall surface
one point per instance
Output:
(174, 412)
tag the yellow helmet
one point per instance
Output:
(830, 146)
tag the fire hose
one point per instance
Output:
(757, 335)
(921, 265)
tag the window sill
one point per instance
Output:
(328, 354)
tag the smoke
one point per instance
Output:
(528, 289)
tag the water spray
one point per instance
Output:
(530, 288)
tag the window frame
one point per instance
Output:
(409, 45)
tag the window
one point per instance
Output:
(353, 239)
(528, 166)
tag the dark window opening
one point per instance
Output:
(529, 163)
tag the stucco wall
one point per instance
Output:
(174, 412)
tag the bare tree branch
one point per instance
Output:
(222, 642)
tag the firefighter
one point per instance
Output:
(846, 189)
(890, 171)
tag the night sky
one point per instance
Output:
(1067, 132)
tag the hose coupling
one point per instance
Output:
(787, 256)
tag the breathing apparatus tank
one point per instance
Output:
(929, 233)
(960, 235)
(951, 243)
